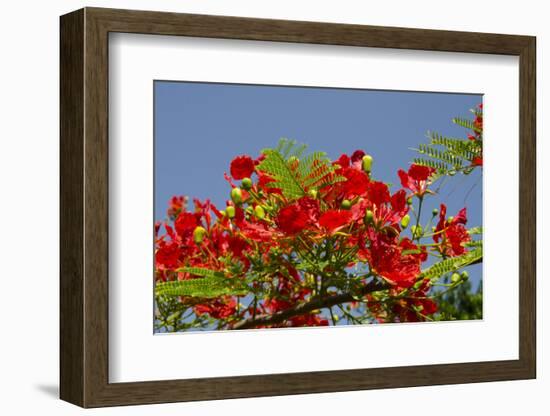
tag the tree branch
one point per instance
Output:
(306, 307)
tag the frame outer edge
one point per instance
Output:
(528, 208)
(84, 208)
(71, 208)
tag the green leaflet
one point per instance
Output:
(312, 171)
(453, 264)
(475, 230)
(212, 285)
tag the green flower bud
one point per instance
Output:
(198, 234)
(259, 212)
(223, 213)
(237, 196)
(409, 200)
(249, 210)
(346, 204)
(335, 318)
(367, 163)
(417, 231)
(230, 211)
(455, 277)
(435, 211)
(405, 221)
(464, 275)
(369, 216)
(313, 193)
(450, 219)
(246, 183)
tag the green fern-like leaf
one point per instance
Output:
(467, 124)
(452, 264)
(293, 174)
(213, 285)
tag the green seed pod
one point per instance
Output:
(346, 204)
(230, 211)
(313, 193)
(198, 234)
(409, 200)
(367, 163)
(435, 211)
(246, 183)
(405, 221)
(464, 275)
(259, 212)
(455, 277)
(237, 196)
(369, 216)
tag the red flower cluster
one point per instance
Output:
(477, 135)
(345, 232)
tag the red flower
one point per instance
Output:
(294, 218)
(264, 182)
(477, 161)
(378, 193)
(242, 167)
(167, 255)
(357, 159)
(176, 205)
(218, 309)
(356, 184)
(343, 161)
(452, 234)
(185, 224)
(416, 179)
(334, 219)
(406, 308)
(387, 259)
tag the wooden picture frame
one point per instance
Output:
(84, 207)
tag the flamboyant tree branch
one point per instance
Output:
(311, 305)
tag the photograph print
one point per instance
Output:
(289, 206)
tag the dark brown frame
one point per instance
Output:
(84, 209)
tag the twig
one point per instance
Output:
(311, 305)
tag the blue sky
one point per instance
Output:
(200, 127)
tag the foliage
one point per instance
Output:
(448, 155)
(461, 304)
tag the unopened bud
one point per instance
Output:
(246, 183)
(435, 211)
(230, 211)
(455, 277)
(313, 193)
(259, 212)
(405, 221)
(464, 275)
(367, 163)
(417, 231)
(409, 200)
(369, 216)
(198, 234)
(237, 195)
(346, 204)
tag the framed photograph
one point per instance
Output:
(254, 207)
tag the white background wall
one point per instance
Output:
(29, 158)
